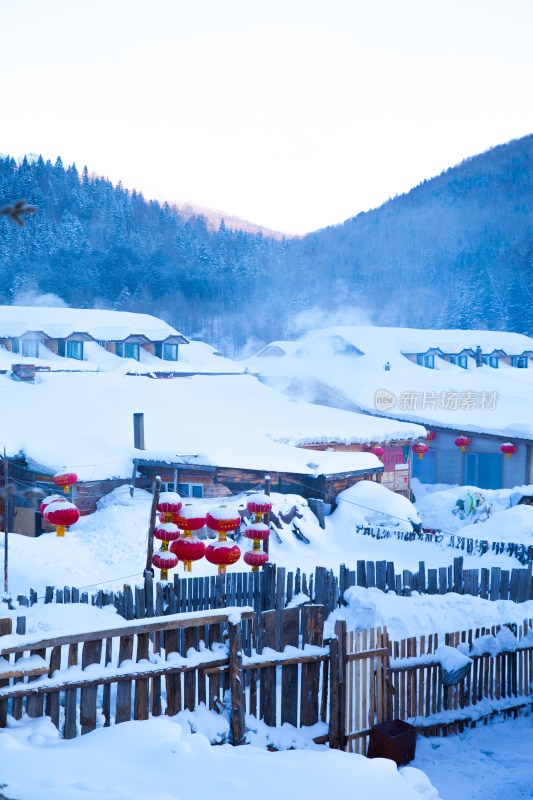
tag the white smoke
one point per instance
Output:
(29, 297)
(319, 317)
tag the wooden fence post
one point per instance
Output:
(236, 684)
(337, 691)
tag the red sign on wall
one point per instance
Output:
(393, 456)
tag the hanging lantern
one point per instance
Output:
(65, 480)
(259, 505)
(190, 517)
(256, 557)
(430, 436)
(52, 498)
(167, 532)
(420, 448)
(164, 560)
(508, 448)
(222, 553)
(188, 548)
(62, 514)
(169, 503)
(378, 451)
(462, 442)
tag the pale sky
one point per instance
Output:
(293, 114)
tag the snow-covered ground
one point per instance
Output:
(157, 760)
(107, 548)
(490, 762)
(491, 514)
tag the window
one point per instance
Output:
(75, 350)
(127, 350)
(30, 347)
(520, 362)
(131, 350)
(484, 470)
(191, 489)
(16, 345)
(420, 360)
(453, 359)
(485, 359)
(170, 352)
(429, 362)
(462, 361)
(493, 361)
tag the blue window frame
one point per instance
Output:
(30, 347)
(493, 361)
(75, 350)
(462, 361)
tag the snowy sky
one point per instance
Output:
(293, 114)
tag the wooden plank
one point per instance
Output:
(432, 581)
(189, 696)
(312, 634)
(91, 654)
(267, 679)
(238, 731)
(16, 709)
(458, 581)
(495, 578)
(150, 626)
(215, 635)
(290, 633)
(123, 703)
(172, 682)
(443, 580)
(504, 584)
(484, 588)
(141, 698)
(513, 586)
(52, 700)
(35, 704)
(106, 696)
(361, 573)
(71, 697)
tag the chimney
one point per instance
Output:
(138, 431)
(479, 357)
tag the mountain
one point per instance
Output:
(456, 251)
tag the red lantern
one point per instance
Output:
(223, 519)
(462, 442)
(61, 513)
(420, 448)
(255, 559)
(52, 498)
(169, 503)
(430, 436)
(164, 560)
(222, 553)
(257, 532)
(259, 503)
(188, 548)
(167, 532)
(378, 451)
(65, 479)
(189, 518)
(508, 448)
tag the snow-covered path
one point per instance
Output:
(490, 762)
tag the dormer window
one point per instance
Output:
(128, 350)
(70, 349)
(520, 362)
(425, 361)
(462, 361)
(26, 347)
(168, 352)
(493, 361)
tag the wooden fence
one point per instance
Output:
(522, 552)
(350, 682)
(275, 588)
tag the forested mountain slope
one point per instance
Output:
(455, 251)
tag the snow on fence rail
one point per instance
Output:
(275, 588)
(522, 552)
(277, 667)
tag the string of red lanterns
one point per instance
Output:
(258, 505)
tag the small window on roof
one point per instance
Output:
(520, 362)
(462, 361)
(75, 350)
(420, 360)
(493, 361)
(453, 359)
(30, 347)
(429, 362)
(170, 352)
(16, 346)
(131, 350)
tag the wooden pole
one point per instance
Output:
(6, 519)
(153, 512)
(236, 675)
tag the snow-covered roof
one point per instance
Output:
(487, 399)
(101, 324)
(84, 421)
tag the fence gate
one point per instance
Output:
(361, 661)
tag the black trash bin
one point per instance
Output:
(394, 739)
